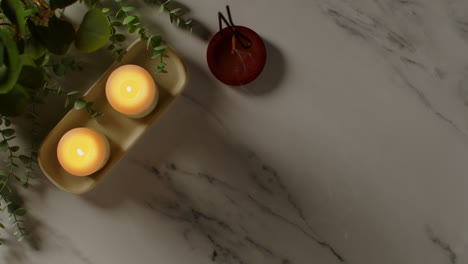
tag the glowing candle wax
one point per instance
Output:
(82, 151)
(131, 90)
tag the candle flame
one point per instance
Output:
(80, 152)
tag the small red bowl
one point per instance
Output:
(238, 68)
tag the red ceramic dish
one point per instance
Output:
(233, 64)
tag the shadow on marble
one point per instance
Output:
(194, 176)
(272, 75)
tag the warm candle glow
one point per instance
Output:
(82, 151)
(131, 90)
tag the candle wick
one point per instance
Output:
(233, 40)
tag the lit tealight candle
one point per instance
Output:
(131, 90)
(82, 151)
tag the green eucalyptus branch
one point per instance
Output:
(6, 189)
(176, 14)
(71, 98)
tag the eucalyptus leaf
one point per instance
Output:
(61, 3)
(161, 47)
(79, 104)
(128, 8)
(14, 149)
(20, 212)
(13, 10)
(94, 31)
(8, 132)
(73, 93)
(128, 20)
(174, 11)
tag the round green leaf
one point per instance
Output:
(14, 11)
(34, 48)
(94, 31)
(12, 61)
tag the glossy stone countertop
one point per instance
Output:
(351, 147)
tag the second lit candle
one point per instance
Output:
(131, 90)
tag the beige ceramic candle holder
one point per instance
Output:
(121, 131)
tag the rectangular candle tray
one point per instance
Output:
(121, 131)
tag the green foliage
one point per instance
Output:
(94, 31)
(34, 40)
(10, 65)
(56, 37)
(176, 13)
(13, 10)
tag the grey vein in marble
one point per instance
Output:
(444, 246)
(394, 45)
(230, 240)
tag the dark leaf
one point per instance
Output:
(20, 212)
(8, 132)
(60, 3)
(116, 24)
(31, 78)
(59, 69)
(118, 37)
(25, 159)
(120, 14)
(15, 102)
(59, 35)
(14, 149)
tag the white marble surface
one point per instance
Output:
(352, 148)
